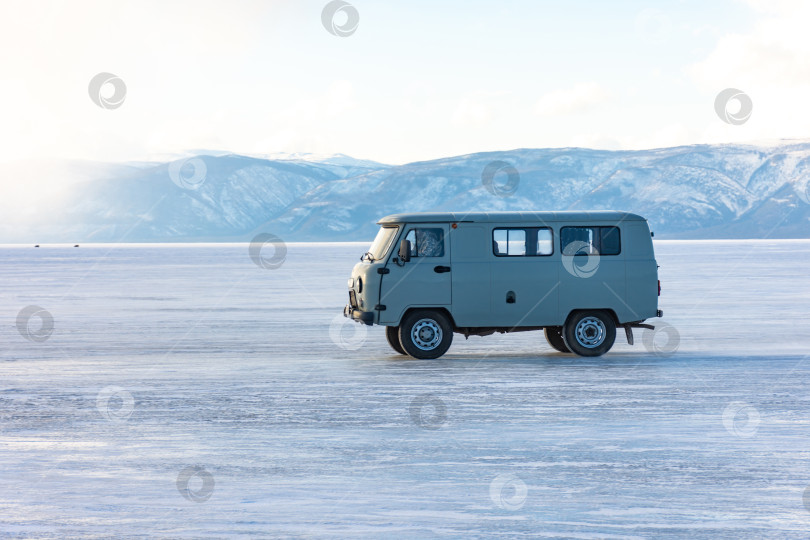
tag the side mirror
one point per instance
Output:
(405, 250)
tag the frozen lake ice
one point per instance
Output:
(184, 391)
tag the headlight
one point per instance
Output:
(351, 282)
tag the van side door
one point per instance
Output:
(525, 276)
(425, 280)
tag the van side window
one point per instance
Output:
(522, 241)
(545, 245)
(610, 241)
(590, 240)
(427, 242)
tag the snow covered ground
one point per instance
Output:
(187, 392)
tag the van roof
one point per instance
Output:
(491, 217)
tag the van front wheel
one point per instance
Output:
(425, 334)
(392, 335)
(589, 333)
(555, 339)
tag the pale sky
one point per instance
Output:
(417, 80)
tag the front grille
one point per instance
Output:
(352, 299)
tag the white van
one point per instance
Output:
(576, 275)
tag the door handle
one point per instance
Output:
(441, 269)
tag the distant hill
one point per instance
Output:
(701, 191)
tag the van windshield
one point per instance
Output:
(379, 247)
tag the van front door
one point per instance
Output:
(425, 280)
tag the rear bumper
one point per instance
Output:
(365, 317)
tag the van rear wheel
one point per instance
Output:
(392, 335)
(425, 334)
(589, 333)
(555, 338)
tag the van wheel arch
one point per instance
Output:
(442, 310)
(606, 310)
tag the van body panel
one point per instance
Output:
(605, 289)
(593, 282)
(525, 292)
(642, 272)
(470, 276)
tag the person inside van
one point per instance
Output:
(429, 243)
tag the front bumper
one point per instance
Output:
(365, 317)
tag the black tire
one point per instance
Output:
(434, 329)
(589, 333)
(392, 335)
(555, 338)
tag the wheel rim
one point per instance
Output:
(590, 332)
(426, 334)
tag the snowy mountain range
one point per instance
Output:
(701, 191)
